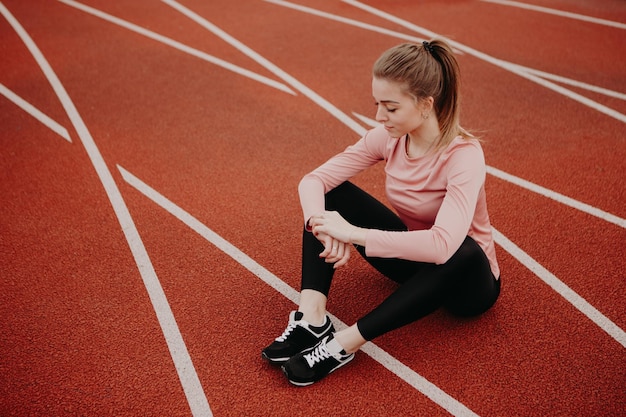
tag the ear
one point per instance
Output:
(427, 104)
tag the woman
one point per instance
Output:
(439, 246)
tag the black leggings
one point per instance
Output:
(464, 285)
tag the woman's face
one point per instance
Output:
(396, 110)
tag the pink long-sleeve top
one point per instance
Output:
(440, 197)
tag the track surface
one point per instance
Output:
(149, 255)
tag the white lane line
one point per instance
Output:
(304, 90)
(513, 68)
(559, 13)
(351, 22)
(586, 208)
(179, 46)
(566, 292)
(180, 356)
(36, 113)
(392, 364)
(565, 92)
(210, 235)
(366, 120)
(574, 83)
(345, 20)
(563, 199)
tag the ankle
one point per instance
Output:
(313, 317)
(350, 339)
(313, 307)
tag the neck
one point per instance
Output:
(422, 141)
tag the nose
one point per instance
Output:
(381, 114)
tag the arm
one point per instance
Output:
(355, 158)
(313, 187)
(465, 175)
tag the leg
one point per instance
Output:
(464, 284)
(476, 290)
(350, 338)
(360, 209)
(310, 324)
(313, 306)
(363, 210)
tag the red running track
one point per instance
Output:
(136, 255)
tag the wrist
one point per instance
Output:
(358, 236)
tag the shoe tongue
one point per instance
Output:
(298, 316)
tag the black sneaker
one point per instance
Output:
(314, 364)
(297, 337)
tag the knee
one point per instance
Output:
(468, 250)
(470, 302)
(333, 197)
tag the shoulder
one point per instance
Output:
(464, 157)
(378, 140)
(464, 148)
(377, 134)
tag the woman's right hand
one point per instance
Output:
(335, 251)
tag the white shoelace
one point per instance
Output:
(317, 355)
(292, 325)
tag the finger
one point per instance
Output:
(343, 250)
(328, 246)
(340, 263)
(334, 249)
(317, 229)
(313, 222)
(344, 259)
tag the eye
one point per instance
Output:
(389, 109)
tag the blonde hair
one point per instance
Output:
(427, 70)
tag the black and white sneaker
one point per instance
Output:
(314, 364)
(299, 335)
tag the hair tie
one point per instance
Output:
(428, 47)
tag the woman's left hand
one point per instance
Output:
(332, 224)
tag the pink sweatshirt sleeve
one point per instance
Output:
(465, 172)
(341, 167)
